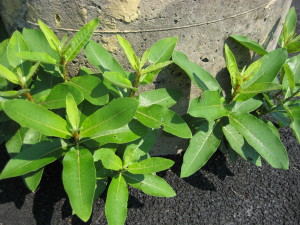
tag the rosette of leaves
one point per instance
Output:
(97, 124)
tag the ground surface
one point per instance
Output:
(220, 193)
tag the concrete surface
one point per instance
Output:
(201, 26)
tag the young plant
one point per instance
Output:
(97, 124)
(237, 125)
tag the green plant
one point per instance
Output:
(236, 124)
(96, 124)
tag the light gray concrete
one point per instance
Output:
(202, 28)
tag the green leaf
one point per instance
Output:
(251, 70)
(28, 114)
(261, 138)
(33, 179)
(14, 144)
(151, 165)
(290, 24)
(37, 42)
(9, 75)
(293, 109)
(79, 179)
(57, 97)
(127, 133)
(50, 36)
(162, 50)
(144, 58)
(100, 188)
(72, 111)
(202, 146)
(293, 47)
(102, 59)
(240, 145)
(246, 106)
(116, 201)
(150, 184)
(80, 39)
(32, 71)
(162, 96)
(294, 65)
(37, 57)
(92, 89)
(16, 45)
(155, 116)
(210, 106)
(282, 120)
(288, 73)
(252, 45)
(115, 114)
(109, 159)
(117, 79)
(155, 67)
(235, 75)
(129, 52)
(199, 76)
(33, 158)
(3, 53)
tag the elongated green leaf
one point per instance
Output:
(293, 108)
(252, 45)
(289, 75)
(57, 97)
(261, 138)
(162, 50)
(210, 106)
(162, 96)
(32, 71)
(155, 67)
(240, 146)
(109, 159)
(33, 179)
(290, 24)
(151, 165)
(33, 158)
(247, 106)
(129, 52)
(251, 70)
(16, 45)
(293, 47)
(80, 39)
(3, 53)
(117, 79)
(28, 114)
(37, 57)
(235, 75)
(14, 144)
(199, 76)
(72, 111)
(37, 42)
(79, 179)
(127, 133)
(150, 184)
(92, 89)
(116, 201)
(202, 146)
(50, 36)
(100, 188)
(9, 75)
(144, 58)
(101, 58)
(155, 116)
(294, 65)
(115, 114)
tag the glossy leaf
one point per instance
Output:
(151, 165)
(92, 89)
(162, 96)
(235, 75)
(79, 179)
(251, 70)
(33, 158)
(210, 105)
(72, 111)
(14, 144)
(293, 108)
(202, 146)
(240, 145)
(80, 39)
(288, 27)
(155, 67)
(294, 65)
(102, 59)
(156, 116)
(33, 179)
(100, 188)
(150, 184)
(114, 115)
(3, 54)
(246, 106)
(261, 138)
(289, 75)
(118, 80)
(129, 52)
(252, 45)
(37, 57)
(50, 36)
(116, 201)
(36, 117)
(162, 50)
(9, 75)
(57, 97)
(16, 45)
(109, 159)
(199, 76)
(293, 47)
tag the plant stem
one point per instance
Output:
(64, 66)
(29, 97)
(136, 83)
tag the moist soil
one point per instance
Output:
(220, 193)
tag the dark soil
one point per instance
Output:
(220, 193)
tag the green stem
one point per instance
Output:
(63, 62)
(136, 83)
